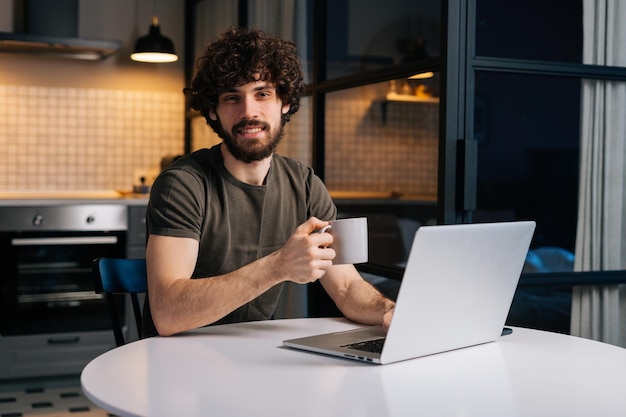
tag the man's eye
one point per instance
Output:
(230, 98)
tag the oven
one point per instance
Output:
(46, 283)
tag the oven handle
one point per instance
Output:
(64, 341)
(85, 240)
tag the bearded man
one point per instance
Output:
(227, 226)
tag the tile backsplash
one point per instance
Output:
(60, 138)
(382, 146)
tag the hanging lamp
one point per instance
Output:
(154, 47)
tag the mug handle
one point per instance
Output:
(324, 229)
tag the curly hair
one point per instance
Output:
(240, 56)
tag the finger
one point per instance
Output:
(323, 265)
(387, 317)
(321, 240)
(326, 254)
(311, 225)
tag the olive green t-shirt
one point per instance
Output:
(234, 222)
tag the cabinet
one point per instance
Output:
(136, 241)
(135, 249)
(51, 354)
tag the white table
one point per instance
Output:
(243, 370)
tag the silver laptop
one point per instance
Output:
(456, 292)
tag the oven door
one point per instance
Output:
(47, 283)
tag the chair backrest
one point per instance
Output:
(120, 276)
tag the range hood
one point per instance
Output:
(62, 47)
(46, 27)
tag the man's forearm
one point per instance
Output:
(190, 303)
(365, 304)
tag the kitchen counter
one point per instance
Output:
(380, 197)
(43, 198)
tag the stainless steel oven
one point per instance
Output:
(51, 321)
(46, 284)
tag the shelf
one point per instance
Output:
(403, 98)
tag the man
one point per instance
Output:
(227, 226)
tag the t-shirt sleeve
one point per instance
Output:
(321, 204)
(176, 205)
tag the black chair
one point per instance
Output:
(120, 276)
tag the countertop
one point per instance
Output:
(55, 197)
(380, 197)
(45, 197)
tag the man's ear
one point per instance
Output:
(286, 108)
(212, 115)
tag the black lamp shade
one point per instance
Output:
(154, 47)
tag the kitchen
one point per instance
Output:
(79, 132)
(70, 124)
(77, 135)
(76, 126)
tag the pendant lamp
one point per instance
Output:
(154, 47)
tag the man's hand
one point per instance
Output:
(305, 257)
(387, 316)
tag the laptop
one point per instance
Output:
(456, 292)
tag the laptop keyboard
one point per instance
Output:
(374, 345)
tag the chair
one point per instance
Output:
(120, 276)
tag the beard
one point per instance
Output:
(251, 150)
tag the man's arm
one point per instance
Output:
(356, 298)
(178, 303)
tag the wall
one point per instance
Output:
(68, 124)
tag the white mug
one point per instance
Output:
(349, 240)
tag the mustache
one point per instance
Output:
(249, 123)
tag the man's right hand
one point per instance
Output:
(305, 257)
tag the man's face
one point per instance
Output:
(250, 120)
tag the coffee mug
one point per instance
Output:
(349, 240)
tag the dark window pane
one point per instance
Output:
(545, 30)
(528, 157)
(366, 34)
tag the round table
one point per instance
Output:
(243, 370)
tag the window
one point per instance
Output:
(367, 35)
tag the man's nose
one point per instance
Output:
(249, 108)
